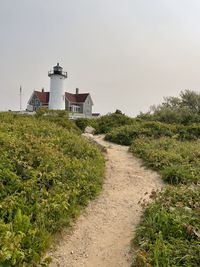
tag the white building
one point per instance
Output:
(59, 99)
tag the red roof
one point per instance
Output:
(43, 97)
(70, 97)
(76, 98)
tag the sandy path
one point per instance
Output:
(102, 234)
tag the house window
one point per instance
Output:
(74, 108)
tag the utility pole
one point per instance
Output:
(20, 97)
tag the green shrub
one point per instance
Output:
(105, 123)
(190, 132)
(175, 174)
(40, 112)
(168, 234)
(82, 123)
(47, 172)
(177, 161)
(110, 121)
(124, 135)
(184, 109)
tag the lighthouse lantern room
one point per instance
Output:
(57, 90)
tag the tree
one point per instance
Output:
(183, 109)
(191, 100)
(118, 111)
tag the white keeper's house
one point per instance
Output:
(79, 104)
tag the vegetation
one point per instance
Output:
(168, 234)
(177, 161)
(184, 109)
(82, 123)
(105, 123)
(168, 140)
(125, 135)
(47, 172)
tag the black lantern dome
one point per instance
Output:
(57, 70)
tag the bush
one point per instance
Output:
(82, 123)
(110, 121)
(47, 172)
(60, 117)
(168, 234)
(125, 135)
(175, 174)
(190, 132)
(184, 109)
(105, 123)
(176, 160)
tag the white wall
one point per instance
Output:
(87, 107)
(57, 92)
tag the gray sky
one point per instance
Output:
(127, 53)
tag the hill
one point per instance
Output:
(47, 172)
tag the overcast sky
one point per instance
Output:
(127, 54)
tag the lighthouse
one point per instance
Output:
(57, 91)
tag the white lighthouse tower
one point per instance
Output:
(57, 91)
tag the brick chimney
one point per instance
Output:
(77, 91)
(43, 90)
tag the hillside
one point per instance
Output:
(168, 142)
(47, 172)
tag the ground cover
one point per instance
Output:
(105, 123)
(124, 135)
(47, 172)
(169, 233)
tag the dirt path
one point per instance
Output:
(102, 234)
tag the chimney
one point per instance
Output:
(77, 91)
(42, 90)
